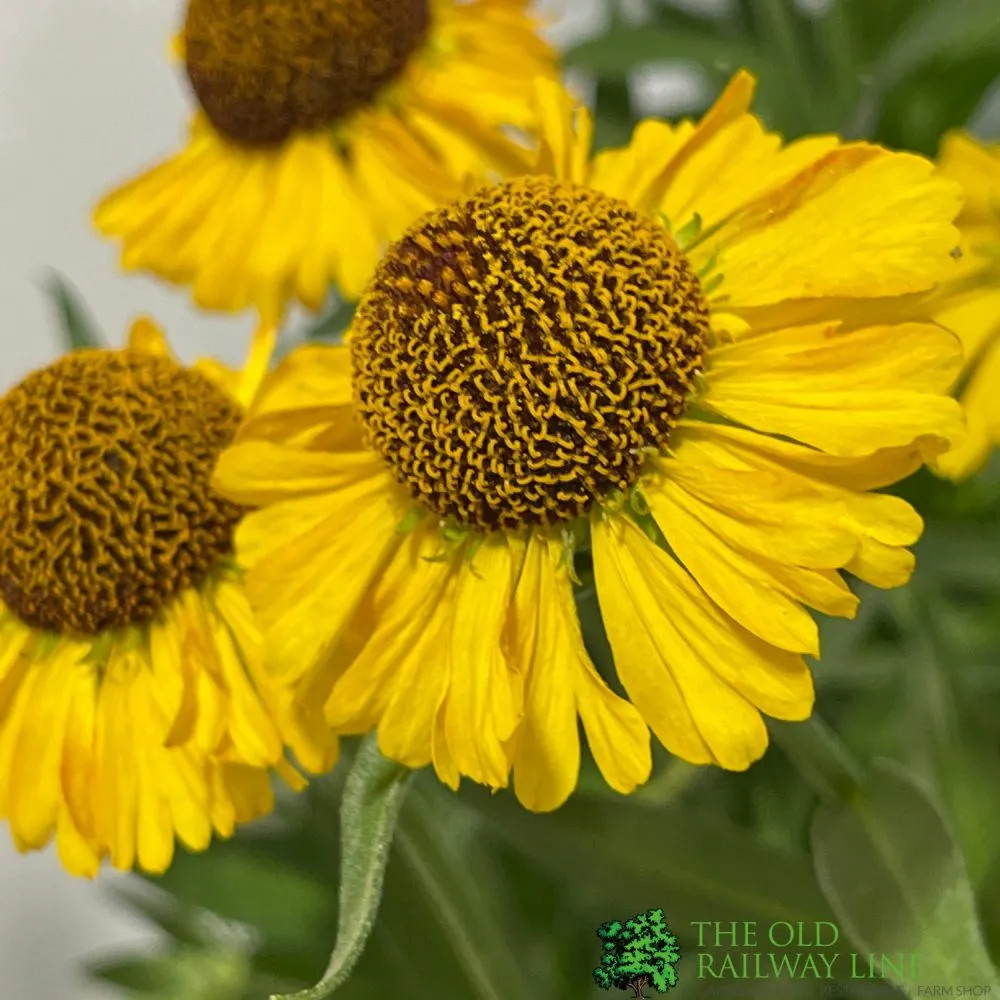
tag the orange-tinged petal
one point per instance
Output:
(893, 231)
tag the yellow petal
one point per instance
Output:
(565, 129)
(882, 565)
(560, 681)
(307, 394)
(848, 393)
(251, 728)
(672, 644)
(154, 828)
(406, 607)
(736, 165)
(305, 592)
(892, 235)
(147, 336)
(77, 765)
(739, 448)
(256, 473)
(546, 747)
(78, 855)
(743, 589)
(919, 357)
(485, 695)
(782, 517)
(248, 789)
(644, 171)
(977, 169)
(35, 788)
(114, 779)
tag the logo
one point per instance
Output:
(639, 954)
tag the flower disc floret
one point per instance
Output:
(518, 354)
(105, 462)
(263, 69)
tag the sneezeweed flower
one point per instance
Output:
(686, 355)
(324, 128)
(134, 706)
(970, 303)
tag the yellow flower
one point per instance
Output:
(970, 303)
(134, 704)
(325, 128)
(543, 368)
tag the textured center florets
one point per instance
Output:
(263, 69)
(105, 462)
(517, 354)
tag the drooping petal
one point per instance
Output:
(560, 683)
(696, 675)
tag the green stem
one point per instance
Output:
(369, 809)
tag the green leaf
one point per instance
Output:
(282, 902)
(454, 877)
(629, 853)
(941, 96)
(957, 29)
(369, 809)
(612, 114)
(332, 324)
(78, 328)
(893, 874)
(625, 46)
(217, 974)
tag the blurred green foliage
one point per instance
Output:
(486, 901)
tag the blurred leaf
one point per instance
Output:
(942, 95)
(163, 911)
(369, 809)
(873, 25)
(621, 49)
(181, 975)
(283, 903)
(895, 878)
(667, 853)
(455, 883)
(612, 114)
(146, 976)
(78, 328)
(942, 29)
(332, 324)
(790, 89)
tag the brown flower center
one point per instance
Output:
(263, 69)
(105, 462)
(517, 354)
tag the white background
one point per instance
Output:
(86, 99)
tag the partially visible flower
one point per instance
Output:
(689, 358)
(325, 127)
(134, 704)
(970, 304)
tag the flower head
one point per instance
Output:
(325, 127)
(970, 303)
(680, 366)
(134, 705)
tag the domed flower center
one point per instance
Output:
(517, 354)
(105, 462)
(263, 69)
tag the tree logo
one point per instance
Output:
(638, 953)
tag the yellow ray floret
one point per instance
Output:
(970, 303)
